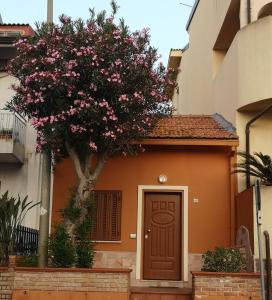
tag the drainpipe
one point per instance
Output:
(268, 265)
(247, 131)
(248, 11)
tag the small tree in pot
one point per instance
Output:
(12, 213)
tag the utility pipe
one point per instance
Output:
(49, 11)
(248, 11)
(247, 131)
(45, 187)
(259, 236)
(44, 210)
(268, 265)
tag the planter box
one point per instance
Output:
(226, 286)
(51, 283)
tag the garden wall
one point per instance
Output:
(226, 286)
(82, 284)
(6, 283)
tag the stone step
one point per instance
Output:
(160, 293)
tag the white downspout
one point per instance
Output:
(243, 13)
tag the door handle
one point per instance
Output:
(148, 230)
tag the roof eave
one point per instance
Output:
(190, 142)
(192, 14)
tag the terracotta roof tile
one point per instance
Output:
(190, 127)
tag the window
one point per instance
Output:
(107, 225)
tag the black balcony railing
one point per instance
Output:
(26, 241)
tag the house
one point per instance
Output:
(160, 210)
(20, 165)
(226, 69)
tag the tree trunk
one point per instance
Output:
(87, 177)
(83, 194)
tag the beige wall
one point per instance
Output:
(244, 77)
(266, 208)
(197, 66)
(256, 6)
(235, 83)
(6, 92)
(260, 136)
(224, 81)
(260, 141)
(21, 179)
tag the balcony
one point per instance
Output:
(243, 81)
(12, 137)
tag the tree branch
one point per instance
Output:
(88, 165)
(75, 160)
(101, 160)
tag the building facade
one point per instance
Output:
(20, 165)
(159, 211)
(226, 69)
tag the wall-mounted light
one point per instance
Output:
(162, 178)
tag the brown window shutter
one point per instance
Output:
(107, 225)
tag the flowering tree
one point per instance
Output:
(89, 89)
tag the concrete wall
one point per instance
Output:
(22, 179)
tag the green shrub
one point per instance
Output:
(61, 250)
(223, 260)
(81, 250)
(85, 254)
(70, 211)
(84, 246)
(27, 261)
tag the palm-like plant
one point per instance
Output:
(258, 165)
(12, 213)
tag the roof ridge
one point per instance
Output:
(226, 125)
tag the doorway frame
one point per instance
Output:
(140, 217)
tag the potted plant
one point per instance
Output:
(13, 210)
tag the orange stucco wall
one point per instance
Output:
(206, 172)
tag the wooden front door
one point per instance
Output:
(162, 236)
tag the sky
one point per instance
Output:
(165, 18)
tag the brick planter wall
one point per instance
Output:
(6, 283)
(25, 283)
(238, 286)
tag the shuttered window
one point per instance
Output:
(107, 226)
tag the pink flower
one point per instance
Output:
(123, 98)
(93, 146)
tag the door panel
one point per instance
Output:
(162, 236)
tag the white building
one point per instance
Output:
(20, 165)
